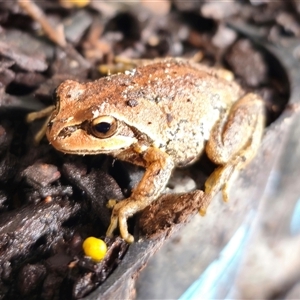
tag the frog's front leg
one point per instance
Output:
(234, 141)
(159, 166)
(46, 112)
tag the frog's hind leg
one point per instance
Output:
(234, 141)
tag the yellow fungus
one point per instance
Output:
(94, 248)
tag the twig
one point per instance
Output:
(55, 34)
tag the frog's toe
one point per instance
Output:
(111, 203)
(119, 217)
(123, 216)
(128, 238)
(204, 205)
(202, 211)
(112, 226)
(225, 192)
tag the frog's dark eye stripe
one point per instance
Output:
(103, 127)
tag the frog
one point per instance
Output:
(160, 115)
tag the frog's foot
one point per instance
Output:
(44, 113)
(223, 177)
(122, 64)
(220, 179)
(39, 114)
(121, 212)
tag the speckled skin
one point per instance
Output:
(167, 112)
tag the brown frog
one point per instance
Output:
(161, 115)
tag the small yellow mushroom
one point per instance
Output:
(94, 248)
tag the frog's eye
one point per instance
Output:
(103, 127)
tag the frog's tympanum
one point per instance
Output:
(160, 116)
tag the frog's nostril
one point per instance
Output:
(67, 131)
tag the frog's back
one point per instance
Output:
(192, 97)
(174, 102)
